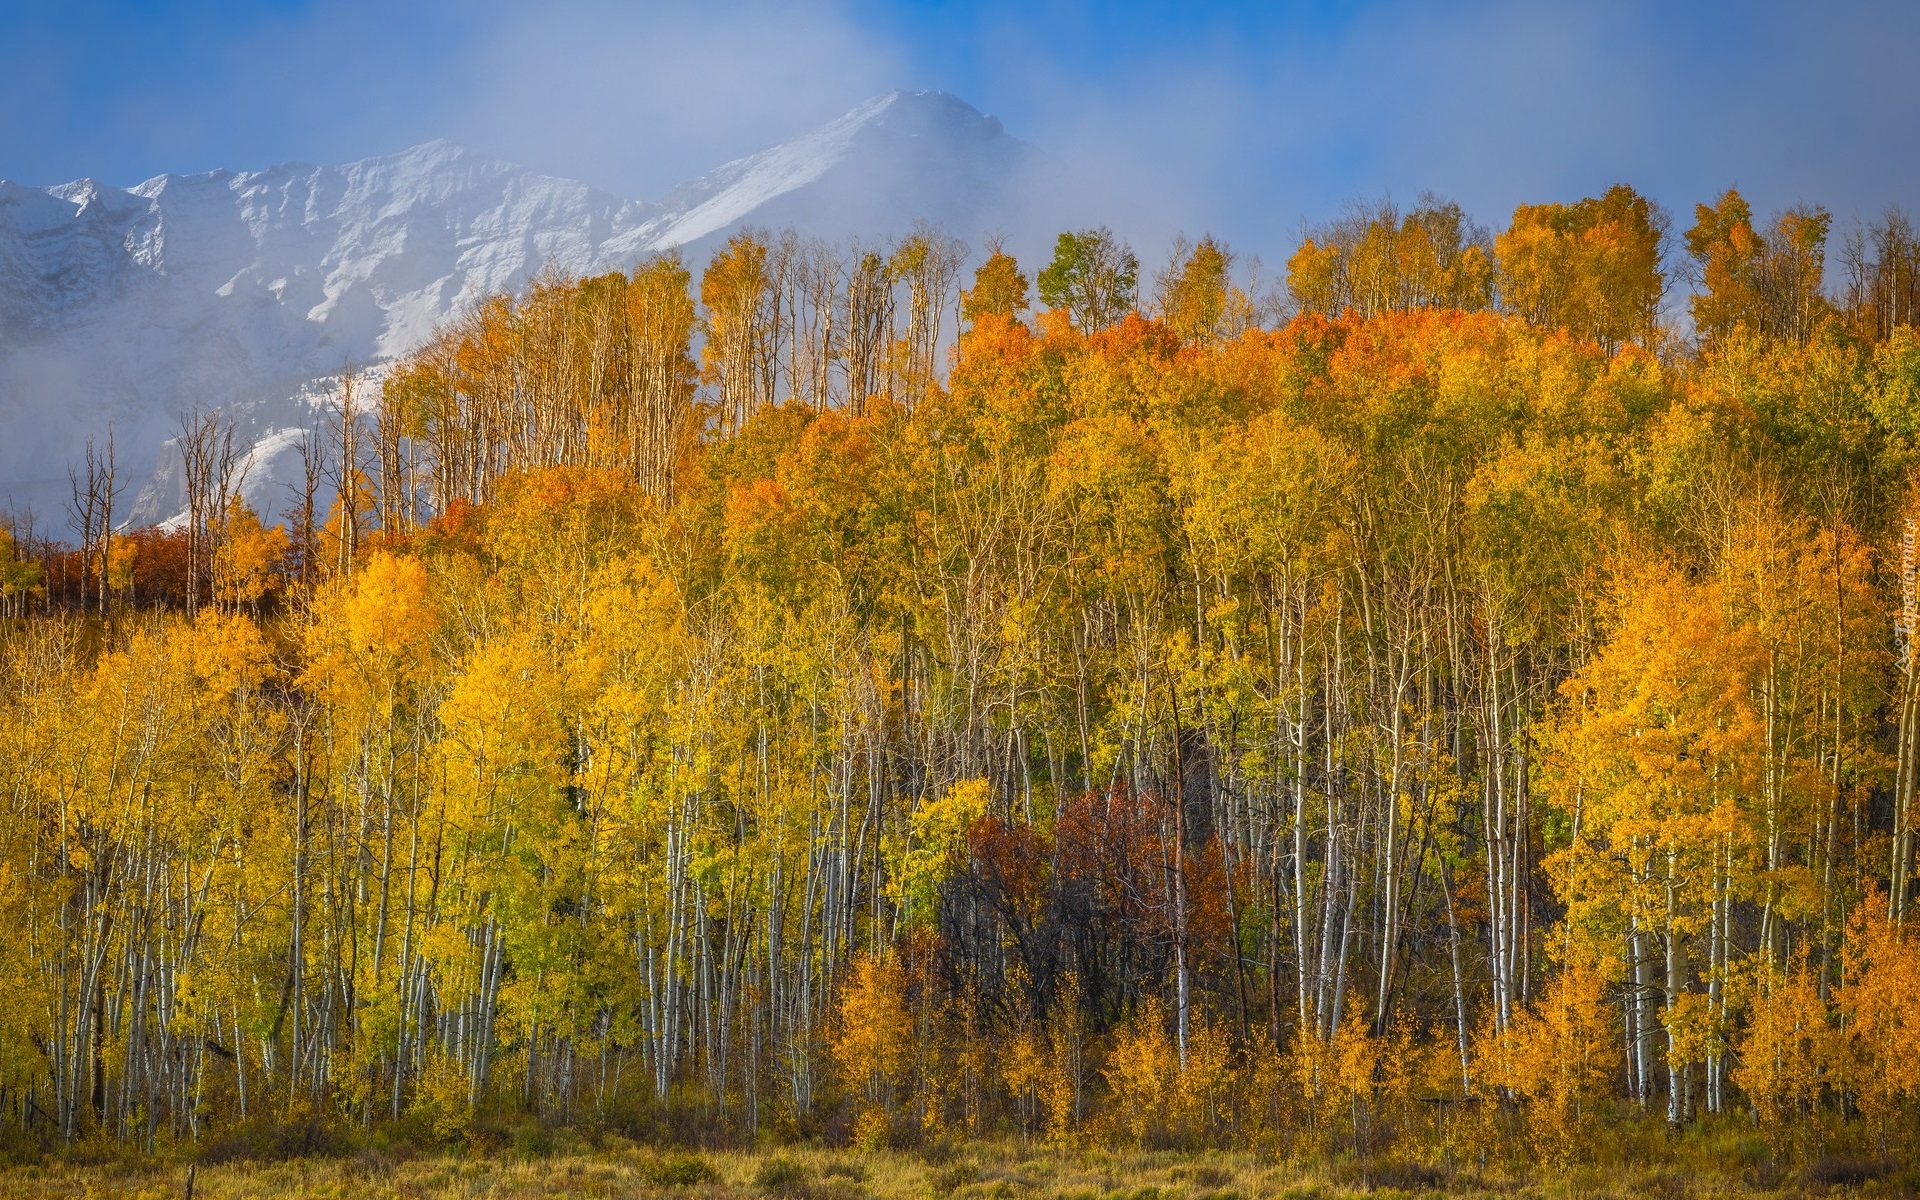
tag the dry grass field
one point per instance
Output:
(618, 1169)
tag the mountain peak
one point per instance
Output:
(437, 146)
(922, 111)
(927, 153)
(435, 152)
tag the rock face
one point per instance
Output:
(249, 292)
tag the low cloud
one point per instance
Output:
(1167, 117)
(636, 99)
(1247, 125)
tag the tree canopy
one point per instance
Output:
(1460, 716)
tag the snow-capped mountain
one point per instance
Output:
(249, 291)
(896, 159)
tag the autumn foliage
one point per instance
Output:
(1458, 722)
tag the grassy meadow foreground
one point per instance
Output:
(981, 1169)
(1460, 736)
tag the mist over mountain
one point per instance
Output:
(250, 291)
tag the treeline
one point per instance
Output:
(1462, 719)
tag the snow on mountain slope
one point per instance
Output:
(249, 291)
(125, 308)
(717, 200)
(898, 158)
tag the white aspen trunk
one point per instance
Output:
(1675, 1085)
(1906, 768)
(1459, 992)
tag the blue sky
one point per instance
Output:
(1240, 119)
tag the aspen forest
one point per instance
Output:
(1454, 702)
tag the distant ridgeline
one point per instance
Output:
(1443, 712)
